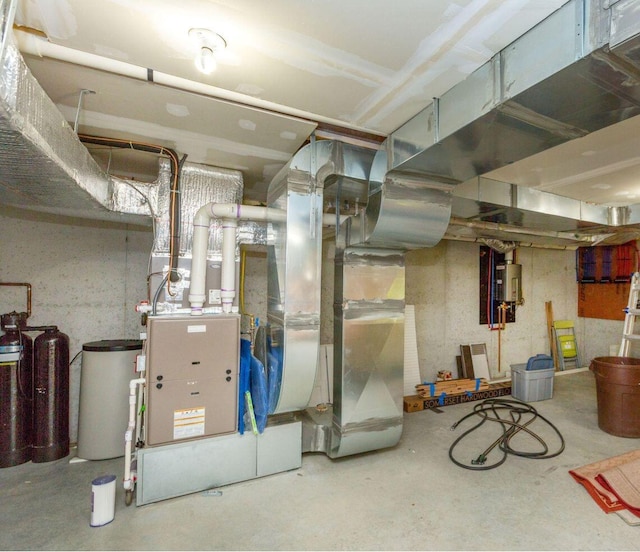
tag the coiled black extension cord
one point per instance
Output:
(521, 416)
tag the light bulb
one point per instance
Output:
(205, 60)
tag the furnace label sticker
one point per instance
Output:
(188, 423)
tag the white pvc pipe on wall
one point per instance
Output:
(128, 436)
(229, 213)
(228, 279)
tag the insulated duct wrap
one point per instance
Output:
(44, 166)
(135, 197)
(199, 185)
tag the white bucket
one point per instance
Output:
(103, 500)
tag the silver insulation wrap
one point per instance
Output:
(199, 185)
(44, 166)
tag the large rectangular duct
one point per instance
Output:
(368, 350)
(199, 185)
(574, 73)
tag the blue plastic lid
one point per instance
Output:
(540, 362)
(103, 479)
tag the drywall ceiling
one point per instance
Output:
(360, 68)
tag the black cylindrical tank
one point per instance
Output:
(51, 396)
(16, 397)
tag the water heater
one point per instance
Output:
(508, 283)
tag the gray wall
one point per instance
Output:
(86, 278)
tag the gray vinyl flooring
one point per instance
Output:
(411, 497)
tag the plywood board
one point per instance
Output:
(604, 301)
(467, 362)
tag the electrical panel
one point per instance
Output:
(192, 374)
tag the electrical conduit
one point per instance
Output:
(229, 214)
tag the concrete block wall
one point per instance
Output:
(442, 283)
(86, 278)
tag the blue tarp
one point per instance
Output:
(243, 383)
(274, 369)
(259, 393)
(253, 378)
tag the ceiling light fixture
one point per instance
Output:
(208, 44)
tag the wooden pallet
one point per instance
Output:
(415, 403)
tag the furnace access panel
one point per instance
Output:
(192, 370)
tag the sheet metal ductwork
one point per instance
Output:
(576, 72)
(560, 81)
(404, 211)
(565, 78)
(294, 259)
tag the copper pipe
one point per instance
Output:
(21, 284)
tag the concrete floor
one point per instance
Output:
(411, 497)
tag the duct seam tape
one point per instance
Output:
(103, 499)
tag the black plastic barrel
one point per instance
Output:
(618, 392)
(51, 396)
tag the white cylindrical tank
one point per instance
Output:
(107, 368)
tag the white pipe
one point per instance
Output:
(229, 213)
(128, 436)
(330, 220)
(228, 279)
(31, 44)
(508, 258)
(453, 237)
(496, 226)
